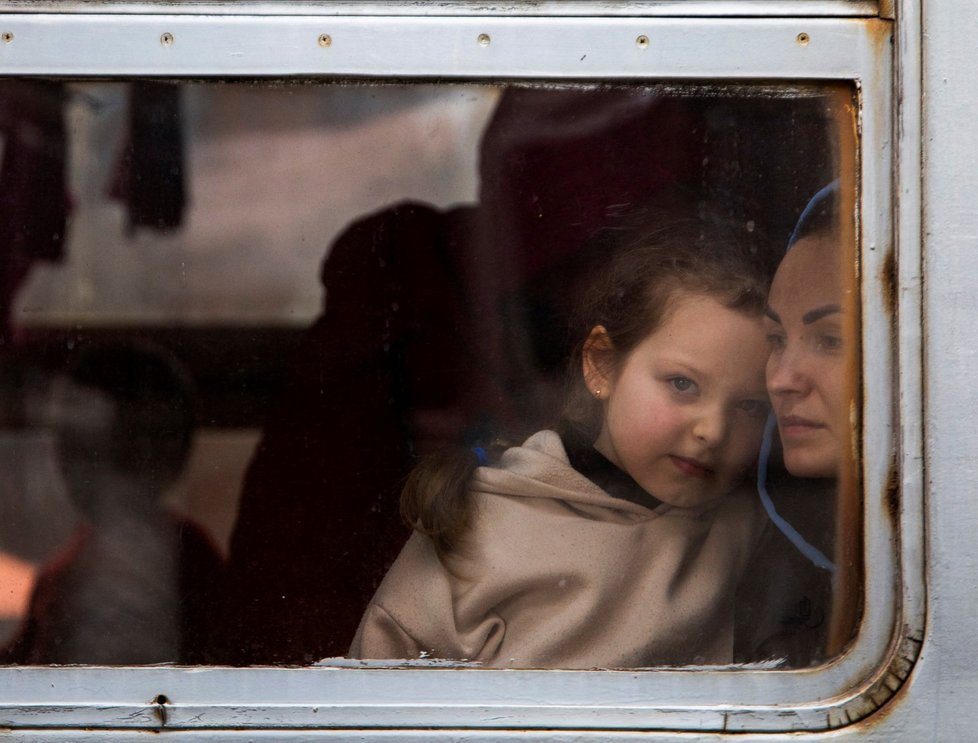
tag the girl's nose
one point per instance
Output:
(711, 427)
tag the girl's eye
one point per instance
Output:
(755, 407)
(775, 341)
(682, 384)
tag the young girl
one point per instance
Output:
(616, 540)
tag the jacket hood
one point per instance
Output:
(540, 468)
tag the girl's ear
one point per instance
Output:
(598, 362)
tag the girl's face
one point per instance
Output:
(685, 409)
(806, 369)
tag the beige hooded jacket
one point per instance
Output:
(556, 573)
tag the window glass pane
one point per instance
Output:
(237, 316)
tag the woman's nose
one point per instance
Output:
(786, 373)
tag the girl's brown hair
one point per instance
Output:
(653, 257)
(644, 261)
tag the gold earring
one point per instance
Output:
(597, 392)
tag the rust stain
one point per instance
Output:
(159, 708)
(872, 706)
(892, 494)
(880, 34)
(888, 281)
(847, 109)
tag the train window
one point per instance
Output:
(337, 375)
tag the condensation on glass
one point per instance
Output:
(236, 316)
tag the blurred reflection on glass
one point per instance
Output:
(133, 584)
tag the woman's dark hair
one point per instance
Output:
(646, 260)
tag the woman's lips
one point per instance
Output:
(691, 467)
(795, 425)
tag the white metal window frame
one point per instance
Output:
(59, 703)
(648, 8)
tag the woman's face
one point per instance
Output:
(806, 369)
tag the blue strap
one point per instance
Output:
(814, 203)
(481, 455)
(813, 554)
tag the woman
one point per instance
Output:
(789, 614)
(805, 330)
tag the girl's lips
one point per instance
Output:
(691, 467)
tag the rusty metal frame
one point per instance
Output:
(334, 700)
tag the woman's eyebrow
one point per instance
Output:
(772, 314)
(817, 314)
